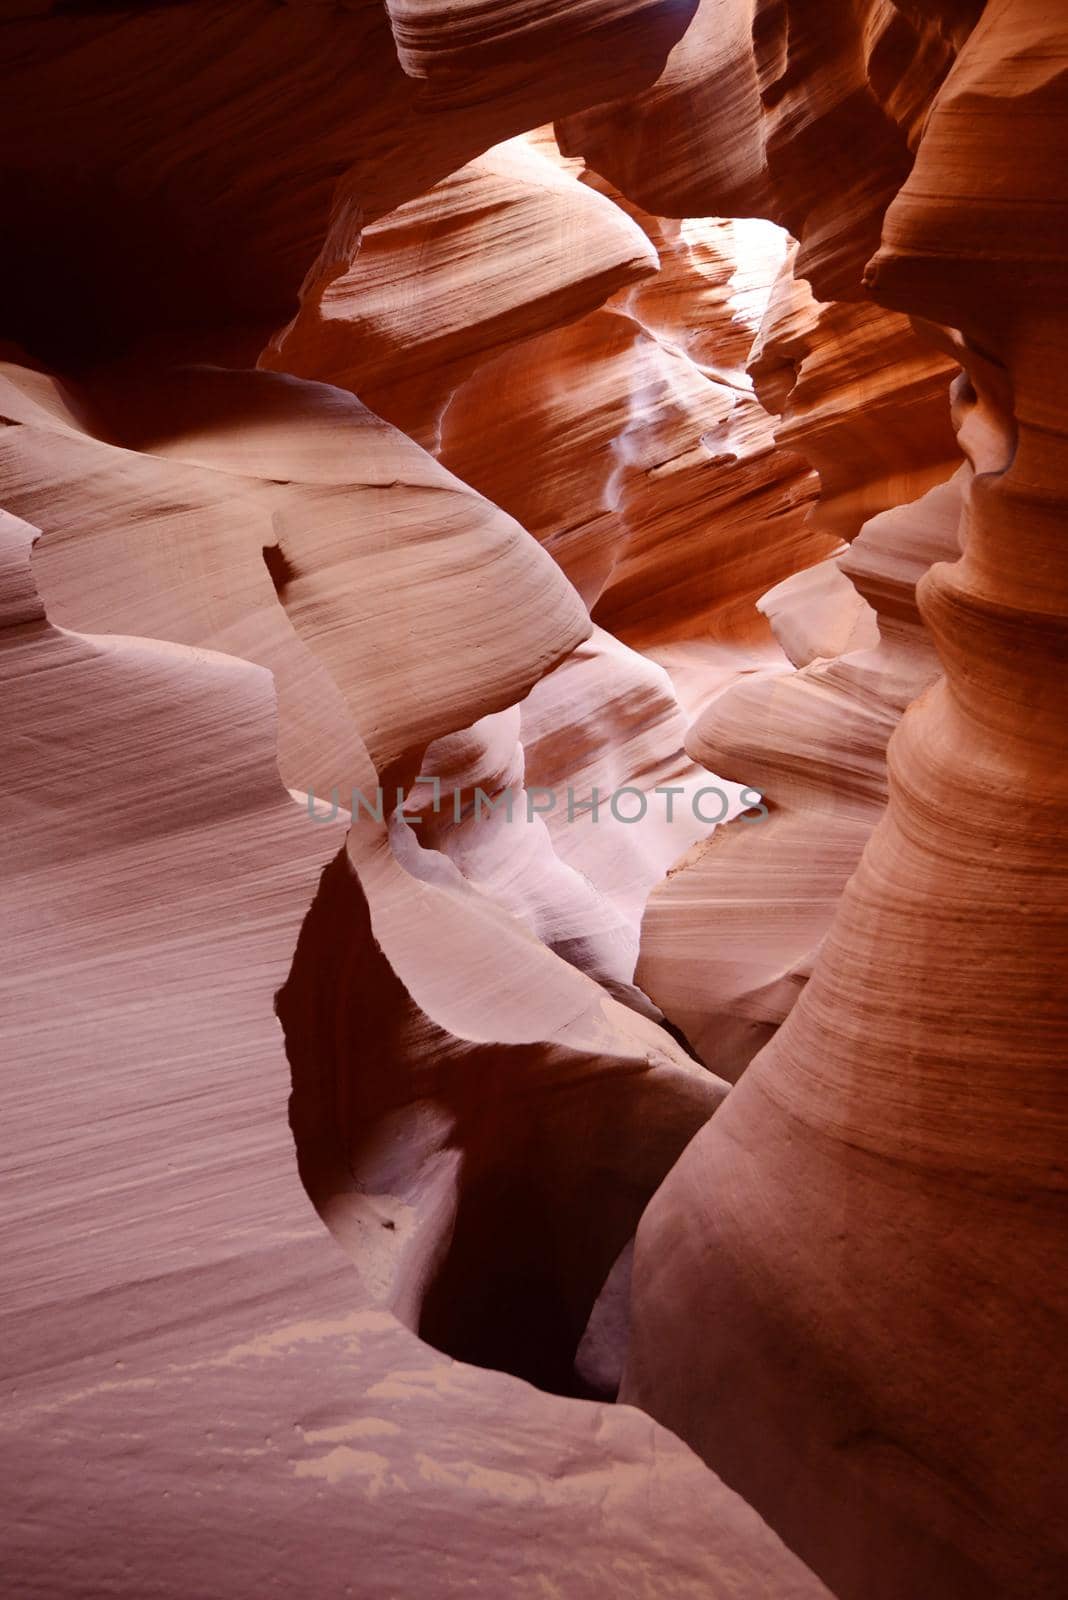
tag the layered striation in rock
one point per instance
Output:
(729, 939)
(659, 488)
(862, 396)
(859, 1271)
(532, 629)
(475, 1119)
(154, 506)
(448, 1127)
(204, 575)
(213, 160)
(698, 510)
(223, 1401)
(802, 112)
(443, 284)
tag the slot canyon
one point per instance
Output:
(533, 634)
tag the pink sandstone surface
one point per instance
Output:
(533, 641)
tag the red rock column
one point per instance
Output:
(851, 1295)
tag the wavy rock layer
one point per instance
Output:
(659, 489)
(858, 1270)
(444, 283)
(538, 476)
(729, 939)
(156, 507)
(478, 1122)
(212, 161)
(802, 112)
(237, 1409)
(698, 510)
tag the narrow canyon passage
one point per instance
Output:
(491, 1235)
(533, 641)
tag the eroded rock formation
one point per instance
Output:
(202, 1399)
(729, 940)
(854, 1323)
(532, 631)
